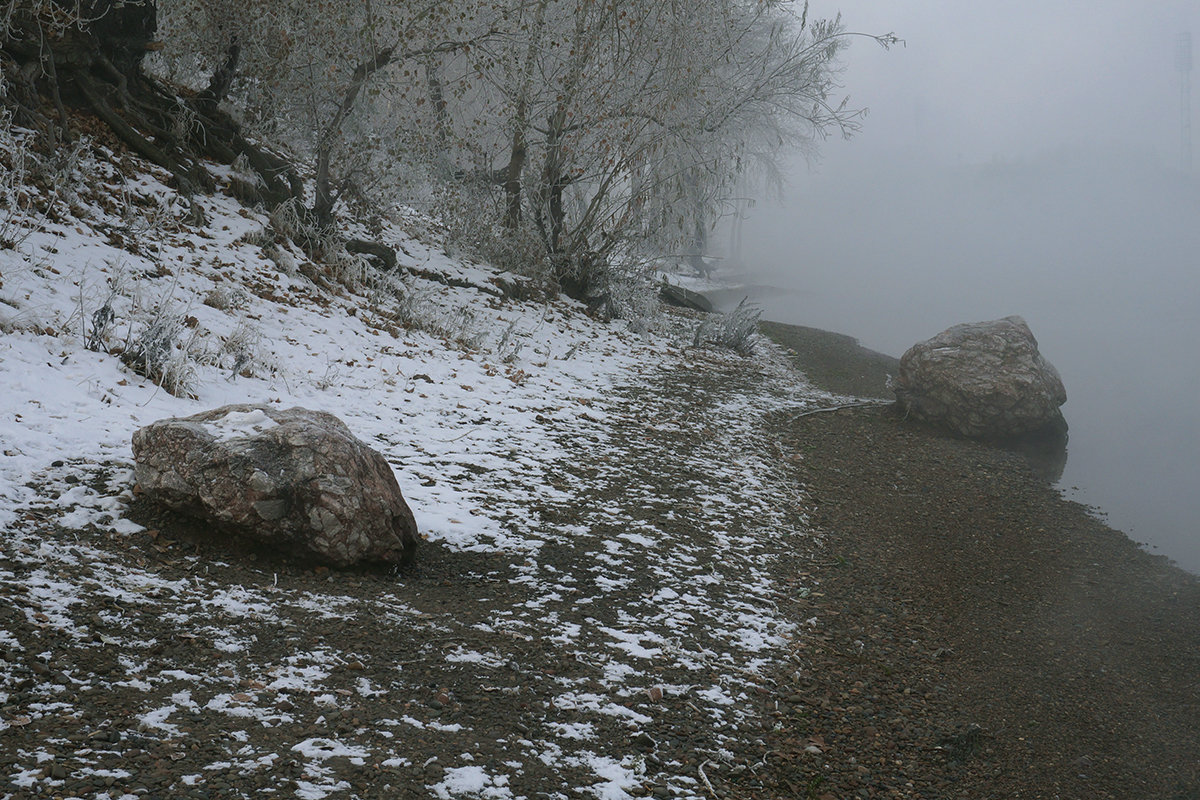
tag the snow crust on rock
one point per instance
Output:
(239, 424)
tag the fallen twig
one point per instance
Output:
(865, 404)
(704, 778)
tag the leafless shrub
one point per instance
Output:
(287, 221)
(218, 298)
(162, 351)
(36, 183)
(243, 352)
(508, 348)
(20, 215)
(633, 298)
(260, 237)
(460, 325)
(103, 317)
(737, 330)
(227, 298)
(473, 229)
(332, 377)
(282, 258)
(346, 268)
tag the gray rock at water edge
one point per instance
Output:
(293, 479)
(982, 380)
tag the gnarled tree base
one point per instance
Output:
(100, 72)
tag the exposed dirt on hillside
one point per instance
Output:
(979, 636)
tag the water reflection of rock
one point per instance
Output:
(1047, 454)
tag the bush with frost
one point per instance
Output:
(737, 330)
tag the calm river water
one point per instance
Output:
(1103, 261)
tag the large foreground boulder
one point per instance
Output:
(294, 479)
(983, 380)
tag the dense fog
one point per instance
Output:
(1027, 162)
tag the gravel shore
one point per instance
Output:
(982, 637)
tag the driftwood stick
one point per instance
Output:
(864, 404)
(704, 778)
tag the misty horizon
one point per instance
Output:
(1065, 200)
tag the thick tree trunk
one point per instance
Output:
(441, 113)
(520, 152)
(96, 65)
(551, 212)
(123, 30)
(512, 173)
(324, 201)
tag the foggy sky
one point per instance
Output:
(984, 80)
(1019, 158)
(1035, 137)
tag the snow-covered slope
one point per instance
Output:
(367, 355)
(500, 417)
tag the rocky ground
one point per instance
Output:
(620, 644)
(720, 598)
(981, 637)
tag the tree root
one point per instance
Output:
(176, 130)
(122, 129)
(145, 115)
(384, 256)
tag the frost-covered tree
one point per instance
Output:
(601, 129)
(626, 124)
(325, 77)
